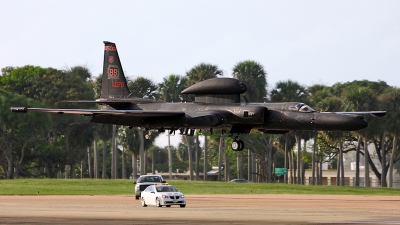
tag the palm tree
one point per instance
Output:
(80, 137)
(129, 140)
(253, 74)
(205, 159)
(105, 133)
(221, 145)
(287, 142)
(95, 157)
(332, 103)
(197, 156)
(291, 91)
(114, 164)
(189, 141)
(170, 90)
(318, 93)
(143, 88)
(201, 72)
(261, 146)
(171, 87)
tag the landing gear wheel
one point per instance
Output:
(235, 145)
(241, 145)
(158, 202)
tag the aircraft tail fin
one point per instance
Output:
(114, 83)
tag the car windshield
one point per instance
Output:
(301, 107)
(149, 179)
(166, 189)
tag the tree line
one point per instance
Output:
(55, 146)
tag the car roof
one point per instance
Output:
(151, 175)
(162, 184)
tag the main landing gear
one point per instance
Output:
(237, 145)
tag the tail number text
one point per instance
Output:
(118, 84)
(113, 72)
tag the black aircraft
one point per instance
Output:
(217, 105)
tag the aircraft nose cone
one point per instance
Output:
(357, 123)
(341, 122)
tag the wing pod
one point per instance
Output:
(204, 119)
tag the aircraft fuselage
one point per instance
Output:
(236, 117)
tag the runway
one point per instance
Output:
(202, 209)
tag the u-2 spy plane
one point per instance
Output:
(217, 105)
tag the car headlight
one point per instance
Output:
(182, 196)
(164, 196)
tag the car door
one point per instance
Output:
(146, 194)
(151, 199)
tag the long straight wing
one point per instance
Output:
(88, 112)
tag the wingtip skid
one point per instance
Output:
(19, 109)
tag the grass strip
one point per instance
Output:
(126, 187)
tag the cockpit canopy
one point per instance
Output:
(301, 107)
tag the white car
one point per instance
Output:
(162, 194)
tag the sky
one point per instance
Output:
(311, 42)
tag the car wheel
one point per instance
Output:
(183, 206)
(168, 206)
(137, 197)
(158, 202)
(143, 203)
